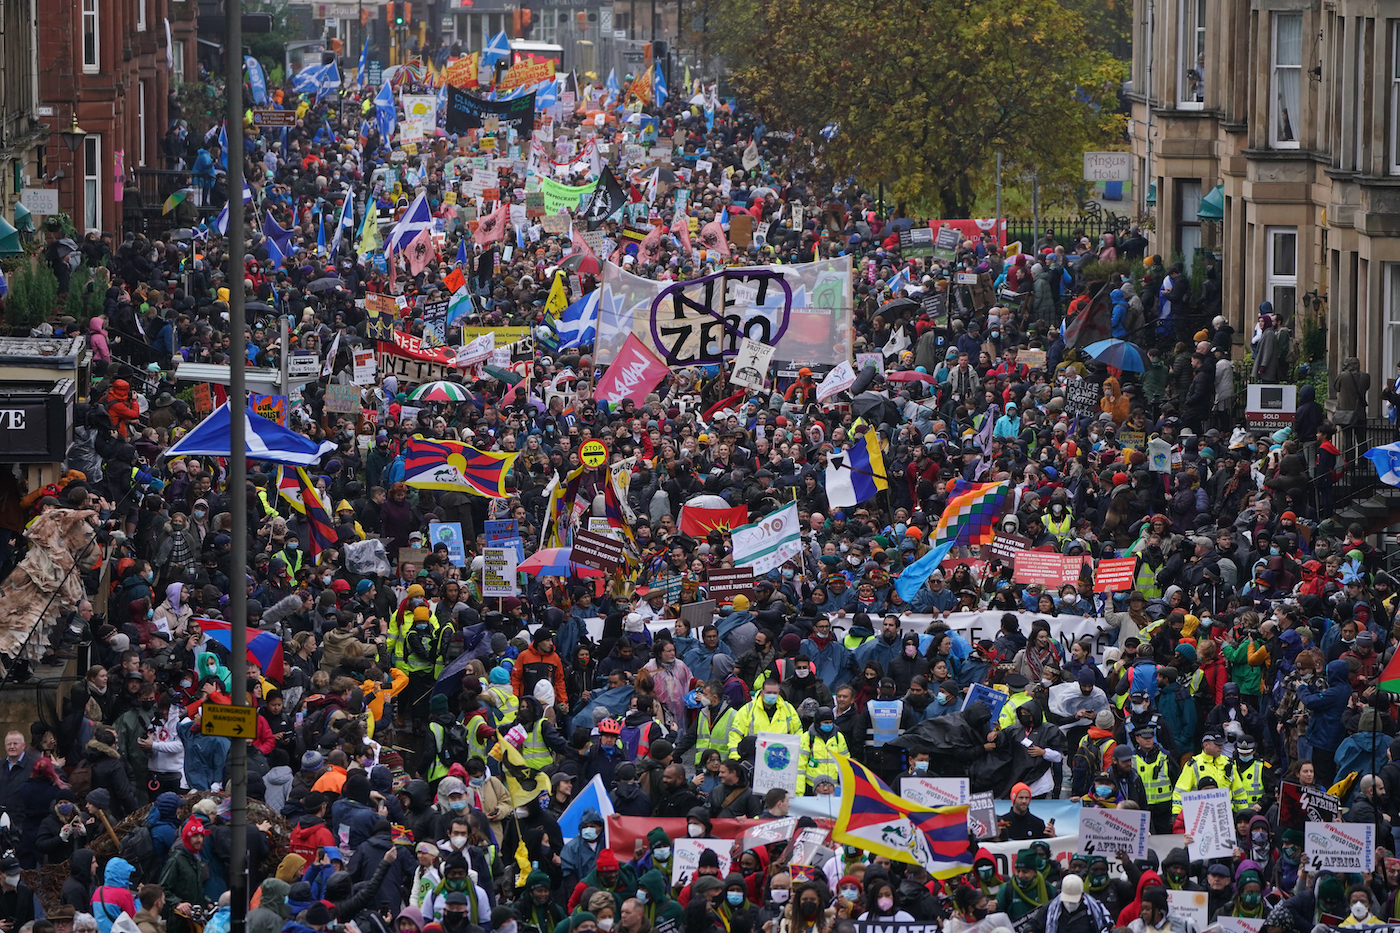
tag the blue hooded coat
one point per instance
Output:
(1325, 707)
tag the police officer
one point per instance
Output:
(1255, 789)
(820, 746)
(1158, 773)
(1210, 762)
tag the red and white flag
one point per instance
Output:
(634, 372)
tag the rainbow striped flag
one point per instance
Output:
(970, 517)
(876, 819)
(456, 466)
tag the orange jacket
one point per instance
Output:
(121, 408)
(531, 656)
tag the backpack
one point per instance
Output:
(1089, 755)
(456, 745)
(138, 848)
(80, 781)
(631, 740)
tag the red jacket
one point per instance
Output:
(306, 839)
(121, 408)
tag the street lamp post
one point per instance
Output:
(73, 138)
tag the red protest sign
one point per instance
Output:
(1044, 567)
(454, 280)
(1115, 575)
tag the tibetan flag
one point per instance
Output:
(320, 528)
(858, 474)
(876, 819)
(289, 488)
(264, 648)
(455, 466)
(971, 514)
(698, 522)
(175, 200)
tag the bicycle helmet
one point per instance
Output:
(609, 727)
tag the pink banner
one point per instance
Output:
(633, 374)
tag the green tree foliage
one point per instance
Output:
(926, 91)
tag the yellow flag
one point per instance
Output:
(558, 300)
(369, 233)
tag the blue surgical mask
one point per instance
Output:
(642, 896)
(1103, 790)
(770, 699)
(735, 898)
(590, 833)
(827, 728)
(920, 767)
(457, 805)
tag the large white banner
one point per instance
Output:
(974, 626)
(769, 542)
(803, 309)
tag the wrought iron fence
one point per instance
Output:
(1092, 224)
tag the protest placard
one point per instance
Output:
(365, 366)
(1007, 546)
(994, 699)
(1346, 847)
(1298, 805)
(1035, 359)
(498, 572)
(596, 551)
(271, 407)
(1190, 905)
(1209, 821)
(685, 855)
(934, 792)
(1108, 832)
(1240, 924)
(450, 534)
(982, 815)
(1044, 567)
(769, 832)
(778, 762)
(751, 363)
(726, 583)
(341, 398)
(1115, 574)
(1082, 398)
(506, 534)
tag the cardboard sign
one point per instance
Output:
(1082, 398)
(934, 792)
(778, 762)
(1190, 905)
(1348, 847)
(450, 534)
(741, 230)
(1209, 820)
(203, 399)
(595, 551)
(751, 364)
(271, 407)
(1044, 567)
(341, 398)
(1007, 546)
(1132, 440)
(1035, 359)
(1240, 924)
(726, 583)
(982, 815)
(498, 573)
(1108, 832)
(685, 857)
(365, 366)
(1299, 805)
(1115, 574)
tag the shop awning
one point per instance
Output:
(24, 220)
(1152, 193)
(9, 239)
(1212, 205)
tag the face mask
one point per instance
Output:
(810, 908)
(459, 842)
(979, 912)
(779, 895)
(1291, 853)
(770, 699)
(803, 672)
(1260, 837)
(642, 896)
(661, 853)
(512, 926)
(605, 924)
(853, 561)
(789, 574)
(590, 833)
(326, 580)
(885, 904)
(1139, 707)
(920, 767)
(850, 894)
(694, 832)
(827, 728)
(478, 781)
(452, 921)
(521, 813)
(200, 513)
(1046, 681)
(1103, 790)
(910, 650)
(1360, 910)
(12, 880)
(1249, 900)
(292, 545)
(735, 898)
(1246, 759)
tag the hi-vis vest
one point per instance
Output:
(885, 716)
(1145, 579)
(819, 757)
(475, 743)
(1249, 788)
(507, 703)
(409, 662)
(755, 718)
(1156, 778)
(439, 768)
(536, 754)
(1058, 530)
(716, 736)
(1202, 765)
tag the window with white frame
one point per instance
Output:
(1281, 272)
(1188, 195)
(92, 48)
(141, 123)
(141, 15)
(1191, 82)
(1286, 81)
(1390, 352)
(177, 58)
(92, 183)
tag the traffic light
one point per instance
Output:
(407, 13)
(521, 21)
(390, 13)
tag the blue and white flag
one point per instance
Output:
(658, 86)
(578, 323)
(221, 221)
(308, 80)
(386, 111)
(223, 144)
(418, 217)
(257, 81)
(592, 797)
(613, 87)
(321, 234)
(496, 50)
(347, 220)
(328, 82)
(362, 73)
(546, 95)
(275, 253)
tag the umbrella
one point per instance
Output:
(556, 562)
(758, 194)
(900, 223)
(440, 391)
(581, 263)
(896, 307)
(707, 501)
(323, 284)
(663, 175)
(263, 440)
(508, 376)
(258, 306)
(875, 408)
(1119, 354)
(1387, 463)
(909, 375)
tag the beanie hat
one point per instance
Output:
(312, 761)
(607, 861)
(438, 704)
(499, 675)
(788, 644)
(421, 614)
(741, 603)
(1104, 719)
(414, 591)
(363, 587)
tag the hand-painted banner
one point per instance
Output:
(803, 309)
(974, 626)
(563, 197)
(468, 112)
(526, 73)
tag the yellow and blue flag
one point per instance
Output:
(857, 474)
(456, 466)
(876, 819)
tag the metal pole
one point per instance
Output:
(998, 186)
(238, 469)
(1035, 209)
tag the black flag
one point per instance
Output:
(607, 199)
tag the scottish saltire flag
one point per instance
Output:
(275, 253)
(497, 49)
(578, 325)
(385, 111)
(418, 217)
(362, 73)
(221, 221)
(328, 81)
(223, 144)
(321, 234)
(274, 232)
(347, 221)
(876, 819)
(659, 86)
(1387, 463)
(264, 648)
(308, 80)
(970, 517)
(320, 528)
(257, 81)
(592, 797)
(613, 87)
(546, 95)
(858, 474)
(456, 466)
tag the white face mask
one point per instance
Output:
(605, 924)
(459, 842)
(12, 880)
(693, 831)
(1360, 910)
(779, 895)
(521, 813)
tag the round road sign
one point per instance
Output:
(593, 454)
